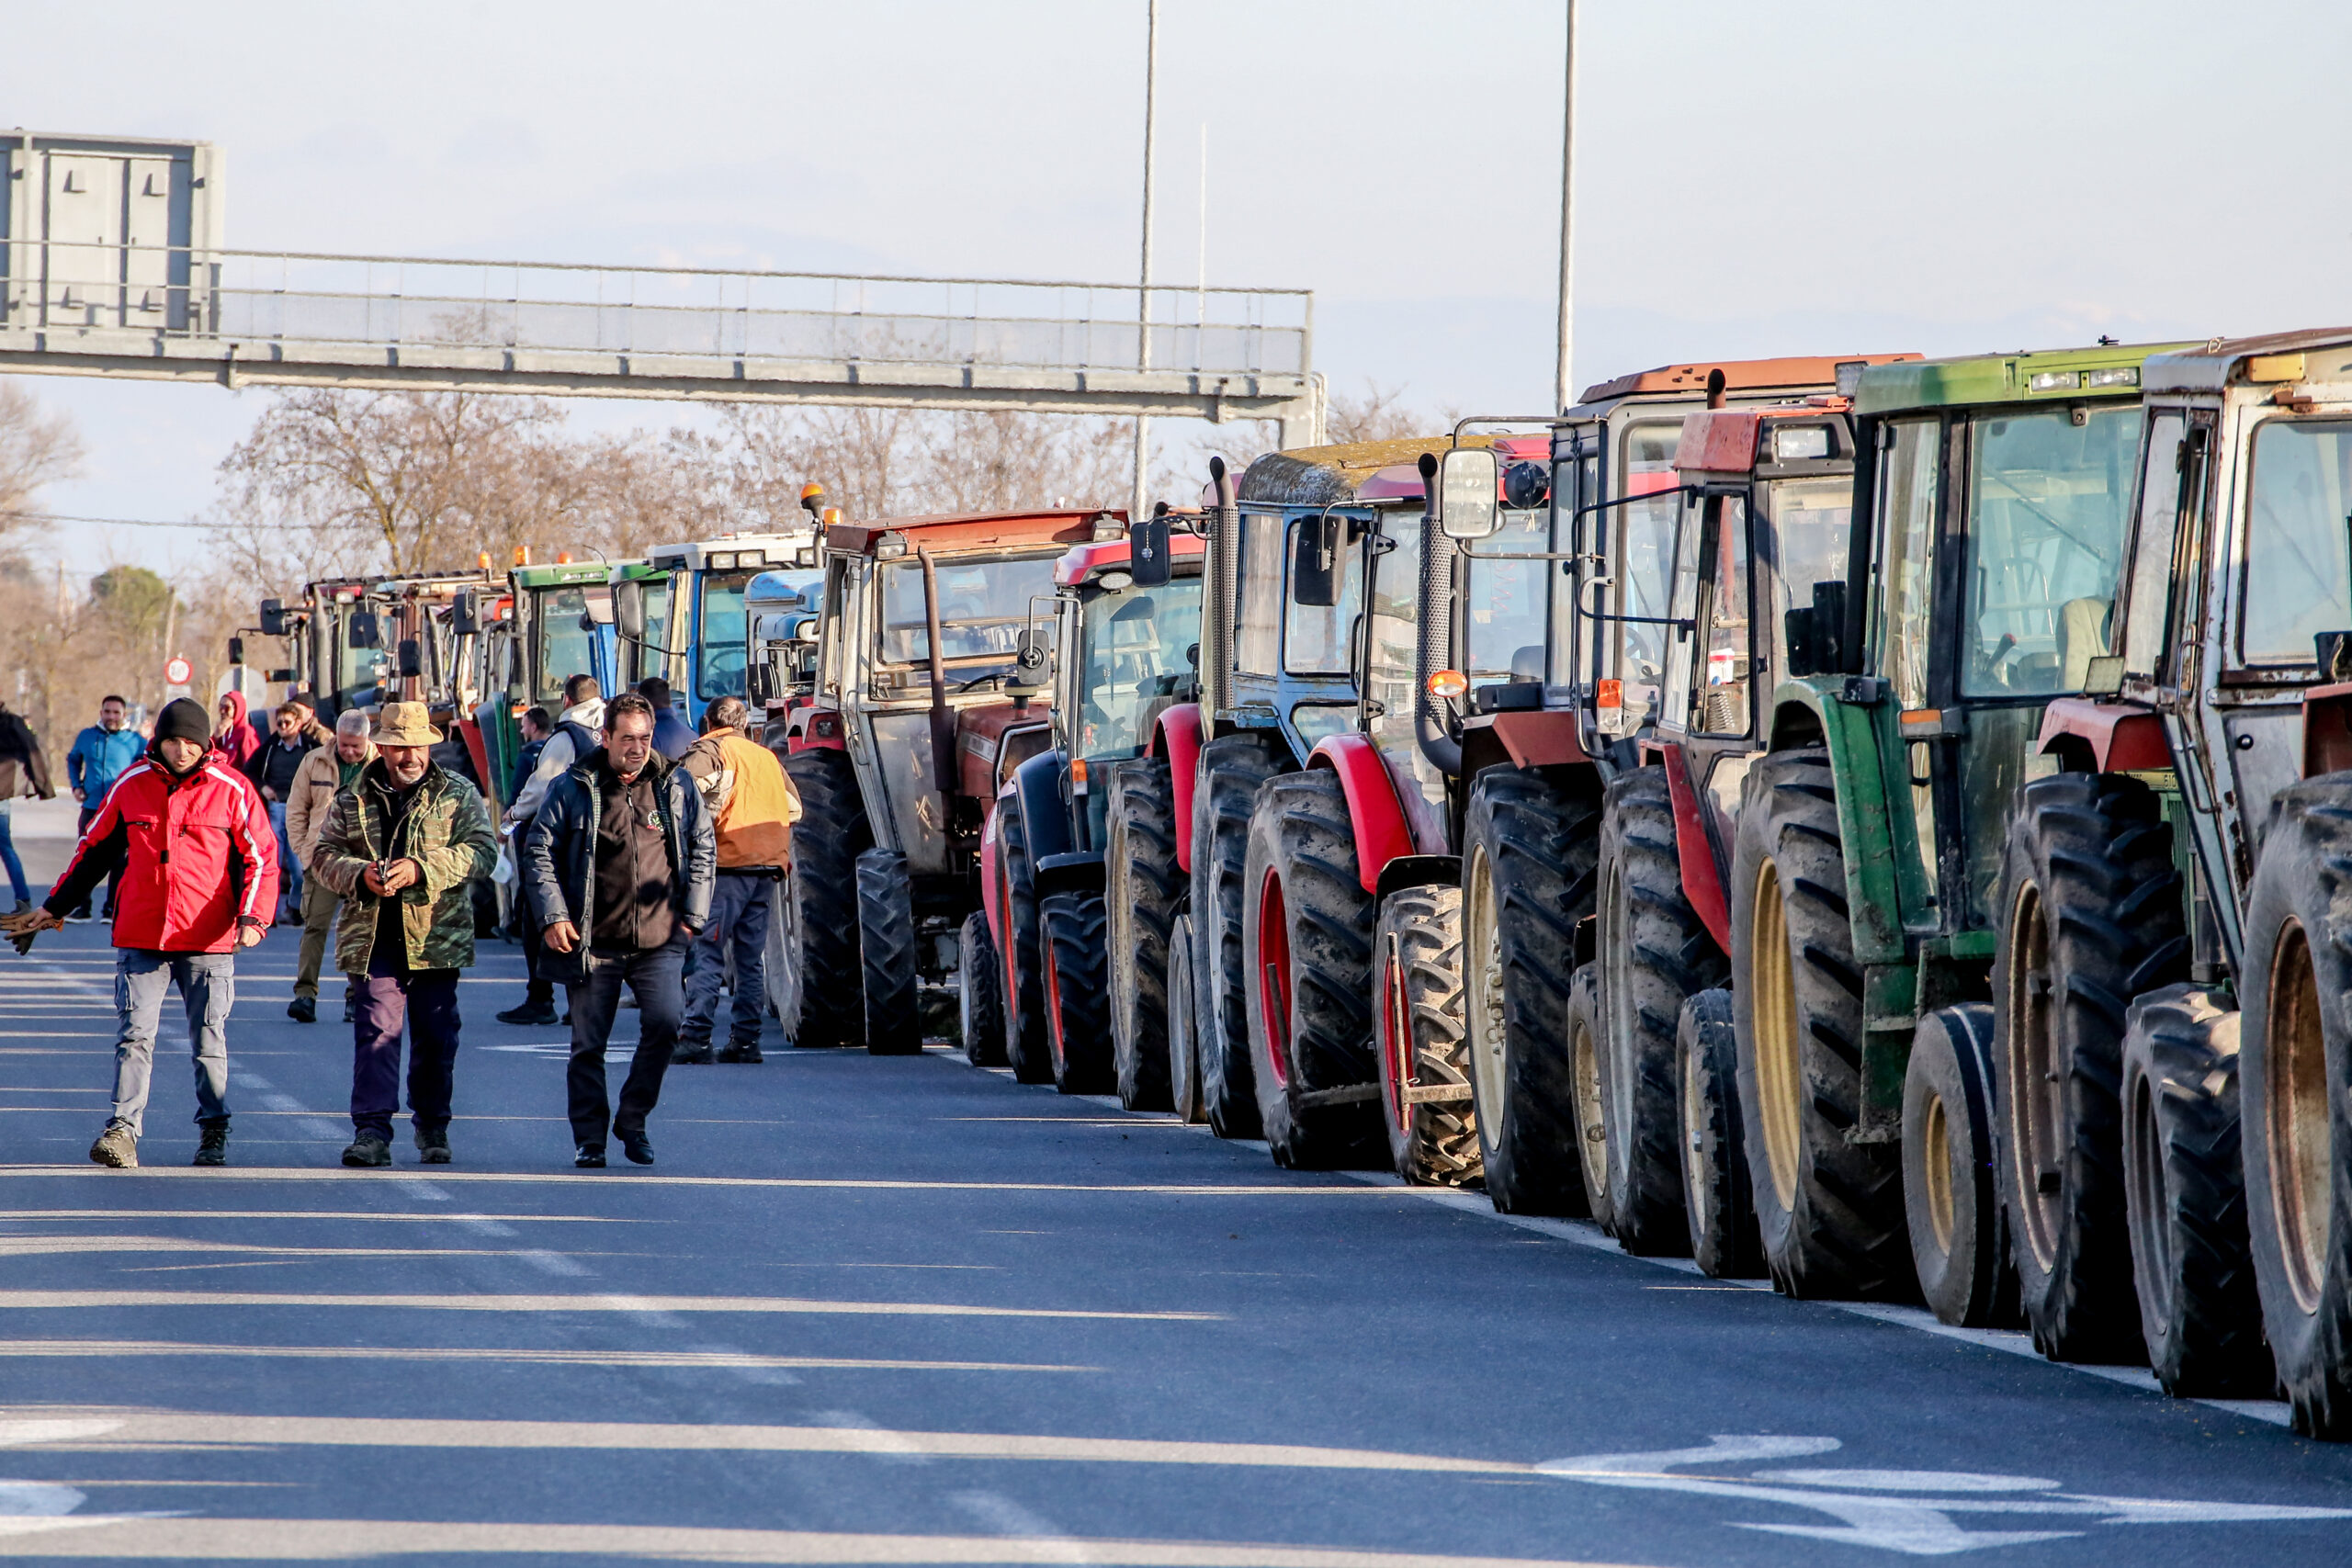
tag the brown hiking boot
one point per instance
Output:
(115, 1147)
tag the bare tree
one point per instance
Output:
(1377, 413)
(36, 451)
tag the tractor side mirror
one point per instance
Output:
(1467, 480)
(759, 678)
(1816, 633)
(464, 613)
(412, 657)
(628, 610)
(361, 630)
(1147, 558)
(1031, 656)
(1315, 563)
(273, 617)
(283, 677)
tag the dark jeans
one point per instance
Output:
(739, 920)
(426, 1000)
(9, 862)
(90, 815)
(654, 976)
(527, 920)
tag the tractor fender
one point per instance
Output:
(1072, 871)
(1044, 817)
(1373, 810)
(991, 853)
(2092, 736)
(1540, 738)
(1177, 738)
(1694, 853)
(816, 726)
(2328, 730)
(1418, 871)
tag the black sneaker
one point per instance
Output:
(116, 1147)
(303, 1009)
(693, 1054)
(590, 1157)
(350, 1011)
(749, 1051)
(637, 1145)
(432, 1145)
(541, 1014)
(369, 1149)
(214, 1149)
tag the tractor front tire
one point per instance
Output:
(979, 993)
(1184, 1009)
(2295, 1090)
(1077, 1024)
(1027, 1048)
(1527, 870)
(1424, 1049)
(1143, 885)
(1306, 930)
(1829, 1212)
(1716, 1202)
(1230, 770)
(1952, 1190)
(833, 831)
(2090, 917)
(885, 940)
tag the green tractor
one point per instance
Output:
(1865, 889)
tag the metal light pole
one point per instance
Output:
(1563, 386)
(1141, 501)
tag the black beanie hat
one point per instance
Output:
(182, 719)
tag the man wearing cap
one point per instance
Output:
(325, 770)
(753, 805)
(194, 866)
(402, 844)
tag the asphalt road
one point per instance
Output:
(871, 1311)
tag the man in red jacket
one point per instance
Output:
(196, 877)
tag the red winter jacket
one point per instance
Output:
(192, 858)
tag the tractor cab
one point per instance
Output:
(781, 611)
(682, 615)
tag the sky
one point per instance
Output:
(1768, 178)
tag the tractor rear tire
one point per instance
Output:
(1183, 1056)
(1716, 1202)
(980, 994)
(1077, 1024)
(1952, 1190)
(1142, 886)
(1424, 1049)
(2090, 917)
(1654, 954)
(1531, 846)
(2295, 1088)
(1306, 930)
(833, 831)
(1829, 1212)
(886, 940)
(2184, 1179)
(1026, 1049)
(1231, 768)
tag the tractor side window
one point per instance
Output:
(1903, 584)
(1641, 546)
(720, 650)
(2297, 518)
(564, 647)
(1722, 705)
(1390, 678)
(1135, 645)
(2046, 505)
(1257, 619)
(2163, 460)
(1318, 639)
(1506, 601)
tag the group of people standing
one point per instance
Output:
(635, 867)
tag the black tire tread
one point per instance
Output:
(1417, 948)
(982, 982)
(1230, 770)
(1026, 1049)
(1071, 926)
(1143, 886)
(886, 940)
(1718, 1208)
(833, 831)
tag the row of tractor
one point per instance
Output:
(1880, 823)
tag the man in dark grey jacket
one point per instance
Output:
(622, 863)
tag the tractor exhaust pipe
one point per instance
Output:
(1224, 569)
(943, 725)
(1433, 728)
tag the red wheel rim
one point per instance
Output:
(1273, 976)
(1395, 1036)
(1053, 1005)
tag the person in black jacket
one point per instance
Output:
(272, 771)
(22, 771)
(622, 864)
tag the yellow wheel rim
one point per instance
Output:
(2036, 1100)
(1780, 1072)
(1934, 1161)
(2301, 1155)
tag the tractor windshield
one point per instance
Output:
(1133, 651)
(566, 648)
(2047, 496)
(983, 607)
(1507, 603)
(2297, 580)
(722, 639)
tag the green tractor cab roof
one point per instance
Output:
(2316, 356)
(2051, 375)
(562, 576)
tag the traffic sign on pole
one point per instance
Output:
(177, 671)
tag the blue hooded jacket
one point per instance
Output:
(99, 757)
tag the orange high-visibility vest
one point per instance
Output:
(755, 824)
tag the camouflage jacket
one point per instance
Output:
(448, 832)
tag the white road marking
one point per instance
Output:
(720, 1357)
(641, 1305)
(555, 1263)
(1008, 1517)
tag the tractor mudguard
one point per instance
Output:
(2328, 730)
(1540, 740)
(992, 851)
(1854, 718)
(2090, 735)
(1073, 870)
(1038, 782)
(819, 728)
(1418, 871)
(1694, 853)
(1177, 738)
(1375, 812)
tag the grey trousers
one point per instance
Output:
(208, 983)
